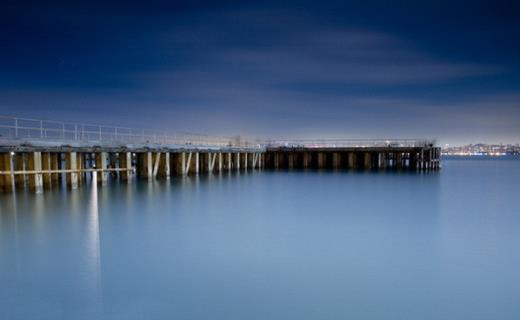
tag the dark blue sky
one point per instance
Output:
(370, 69)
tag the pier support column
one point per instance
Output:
(125, 162)
(228, 161)
(336, 160)
(433, 159)
(290, 160)
(430, 157)
(184, 168)
(275, 159)
(413, 160)
(101, 164)
(164, 166)
(192, 165)
(207, 159)
(207, 162)
(220, 163)
(368, 160)
(421, 164)
(176, 167)
(145, 165)
(7, 166)
(351, 160)
(167, 169)
(238, 161)
(212, 160)
(197, 162)
(112, 160)
(399, 160)
(55, 166)
(306, 160)
(382, 160)
(19, 165)
(437, 156)
(90, 163)
(185, 163)
(80, 160)
(34, 164)
(321, 160)
(46, 166)
(71, 164)
(156, 163)
(255, 159)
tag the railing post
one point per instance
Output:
(16, 127)
(63, 130)
(41, 129)
(99, 127)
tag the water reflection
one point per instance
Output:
(93, 237)
(93, 249)
(9, 236)
(359, 245)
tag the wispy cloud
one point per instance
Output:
(254, 71)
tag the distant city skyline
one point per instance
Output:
(482, 149)
(270, 69)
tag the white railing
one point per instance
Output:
(350, 143)
(51, 130)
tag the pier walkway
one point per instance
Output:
(40, 154)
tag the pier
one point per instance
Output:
(365, 154)
(42, 154)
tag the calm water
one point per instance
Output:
(270, 245)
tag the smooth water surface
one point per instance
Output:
(269, 245)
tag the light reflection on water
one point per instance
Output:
(268, 245)
(93, 254)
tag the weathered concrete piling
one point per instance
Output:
(38, 156)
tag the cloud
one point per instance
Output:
(345, 57)
(264, 72)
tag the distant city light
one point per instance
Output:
(494, 150)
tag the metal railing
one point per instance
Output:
(350, 143)
(16, 128)
(50, 130)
